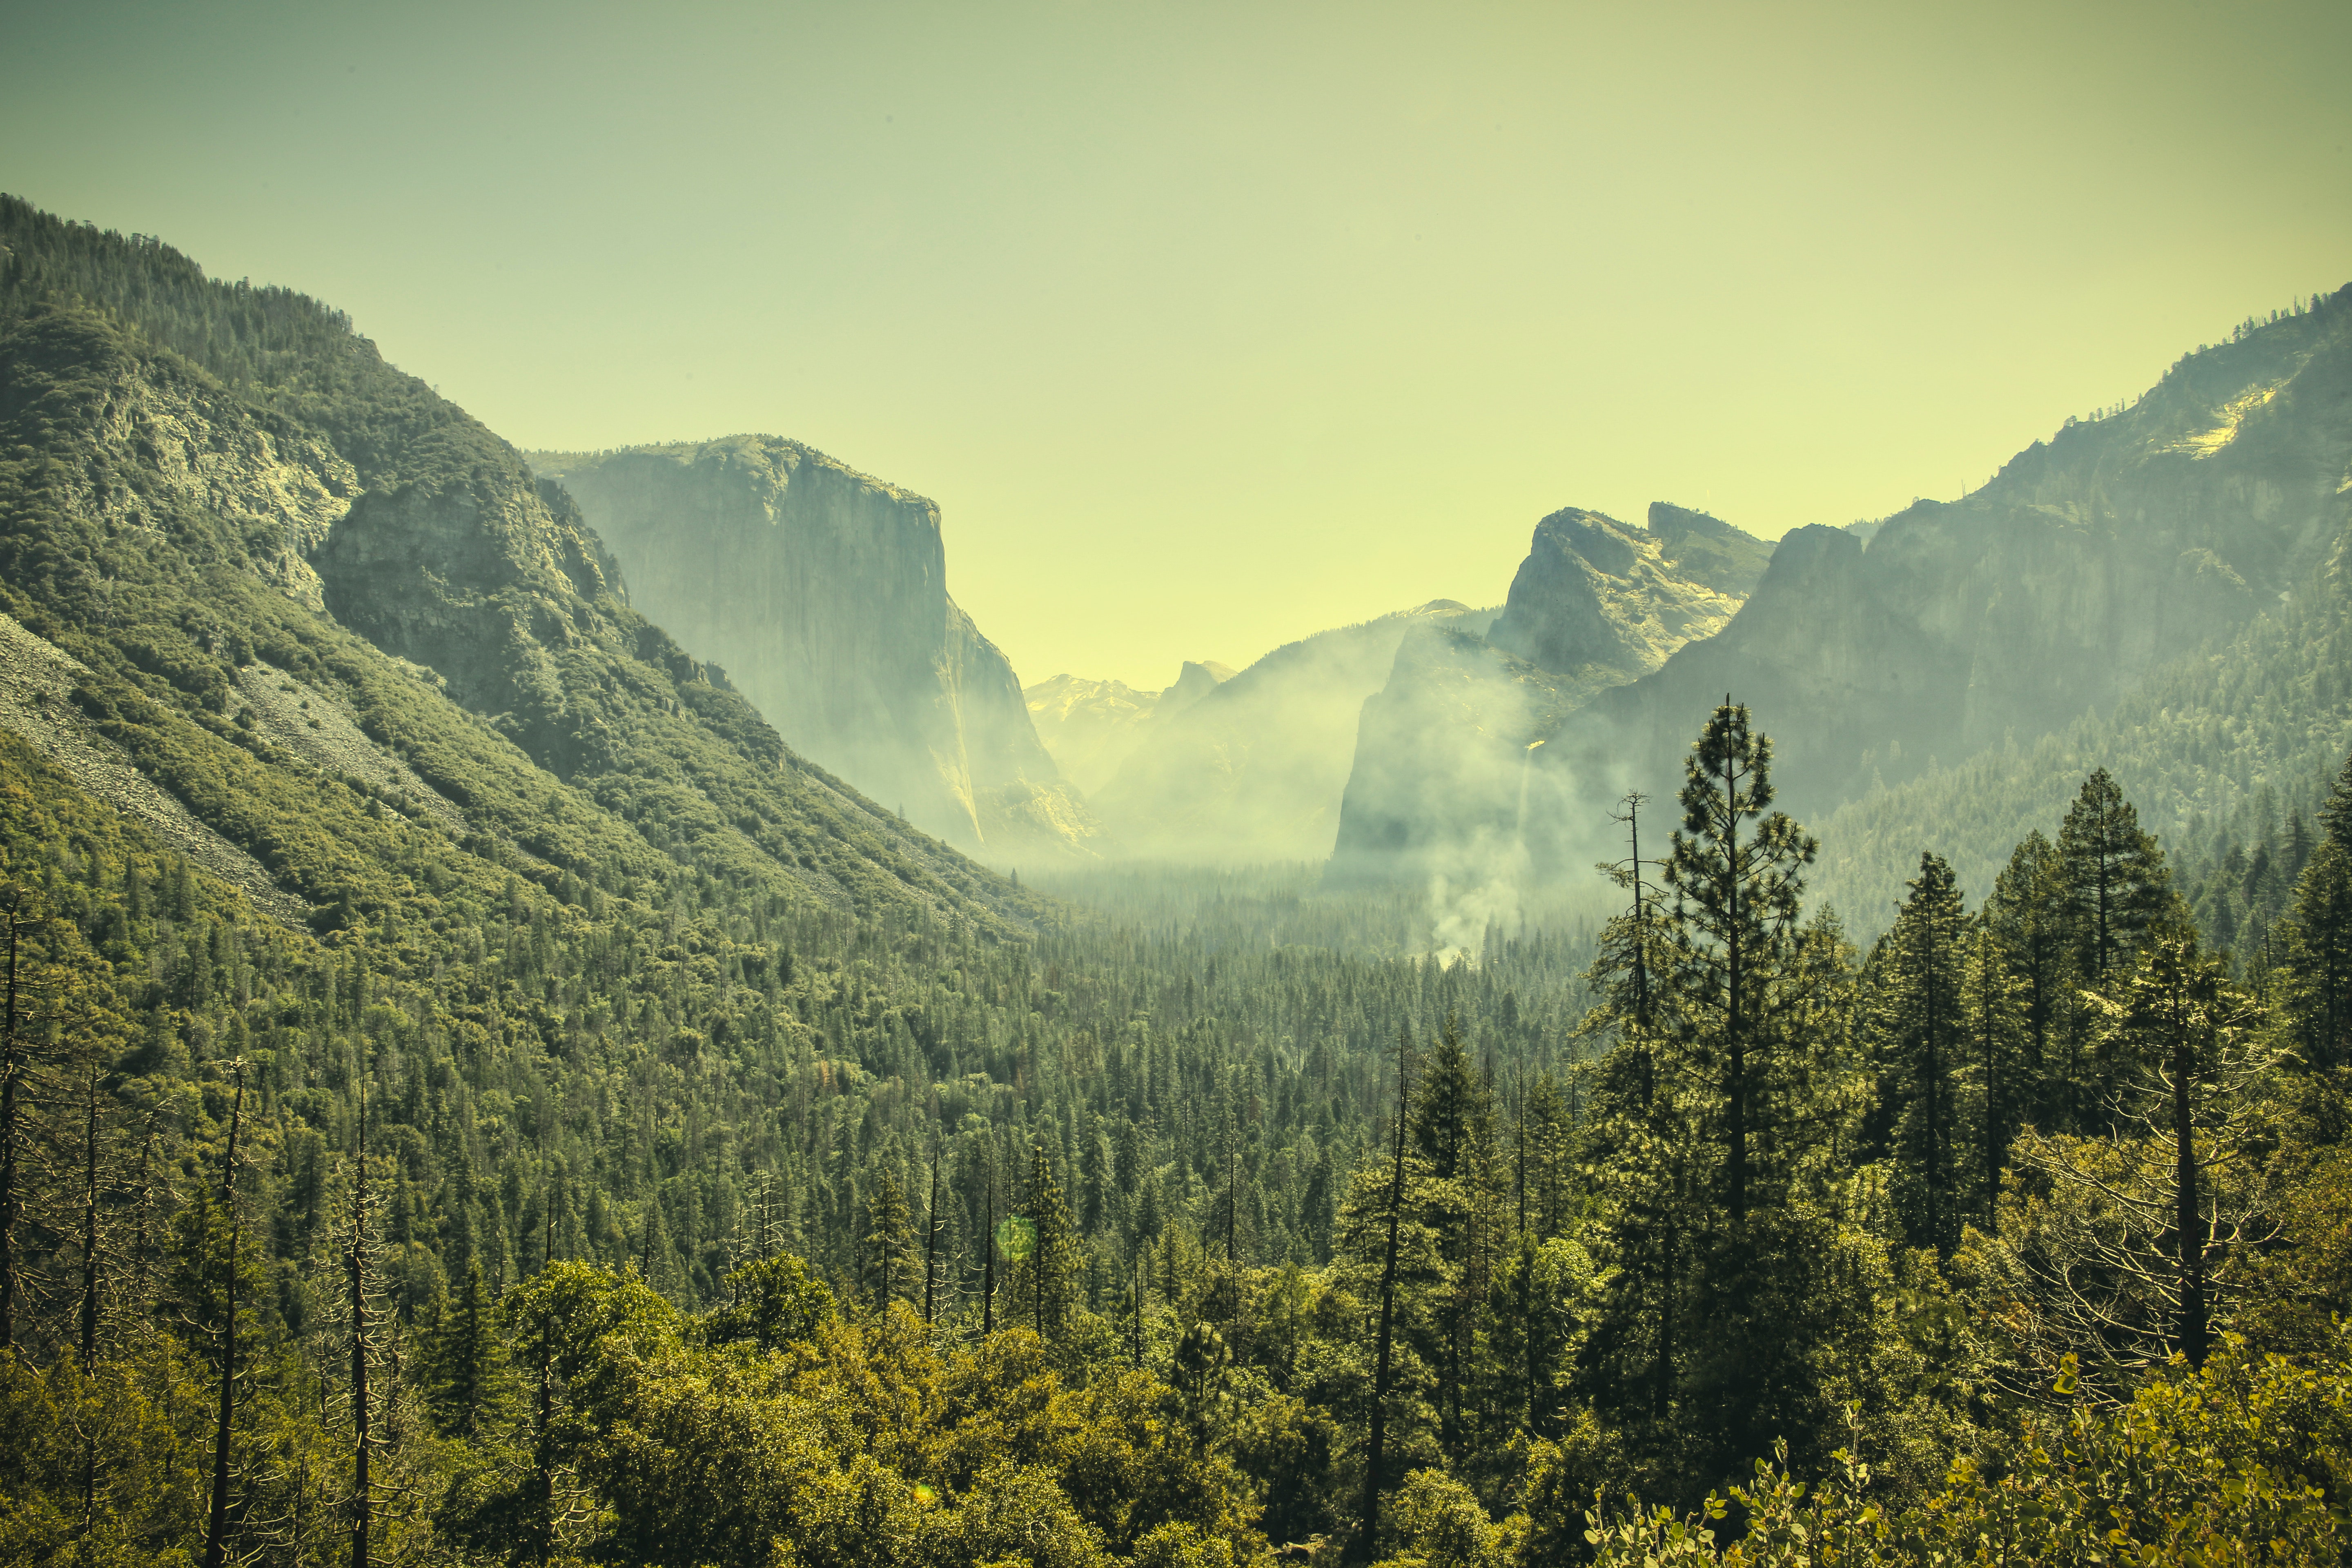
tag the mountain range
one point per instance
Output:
(750, 644)
(514, 945)
(1914, 669)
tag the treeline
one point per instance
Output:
(727, 1234)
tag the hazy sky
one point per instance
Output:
(1211, 326)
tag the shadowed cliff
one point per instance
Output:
(823, 595)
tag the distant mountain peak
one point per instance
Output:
(1595, 592)
(1196, 681)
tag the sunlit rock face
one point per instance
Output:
(1593, 590)
(822, 592)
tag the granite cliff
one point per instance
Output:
(822, 592)
(1593, 592)
(1445, 774)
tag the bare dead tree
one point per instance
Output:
(355, 1256)
(21, 921)
(217, 1521)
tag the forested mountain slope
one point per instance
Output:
(2220, 749)
(824, 594)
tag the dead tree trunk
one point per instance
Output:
(216, 1525)
(355, 1263)
(1376, 1448)
(90, 1262)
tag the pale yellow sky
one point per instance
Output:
(1210, 326)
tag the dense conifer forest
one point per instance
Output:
(660, 1156)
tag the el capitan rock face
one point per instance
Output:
(822, 592)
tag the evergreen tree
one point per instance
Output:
(1652, 1227)
(1452, 1129)
(2028, 914)
(1732, 941)
(1530, 1337)
(1995, 1005)
(463, 1355)
(1918, 1019)
(1544, 1133)
(2316, 993)
(1045, 1282)
(887, 1267)
(2115, 878)
(2336, 813)
(2116, 890)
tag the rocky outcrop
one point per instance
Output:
(153, 435)
(1708, 550)
(1254, 769)
(1593, 592)
(1450, 762)
(822, 592)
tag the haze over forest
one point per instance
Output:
(1190, 789)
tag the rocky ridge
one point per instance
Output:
(2090, 562)
(1883, 653)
